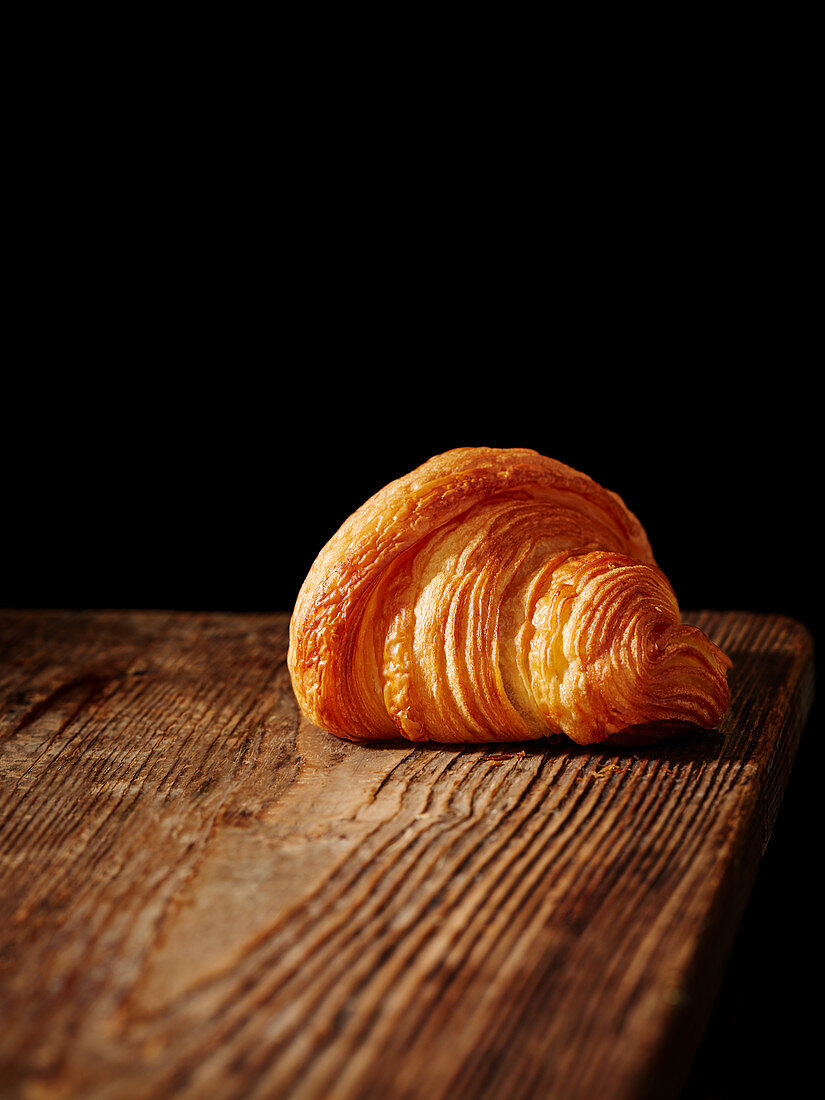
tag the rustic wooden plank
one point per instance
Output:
(201, 894)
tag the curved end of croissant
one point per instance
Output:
(627, 661)
(679, 681)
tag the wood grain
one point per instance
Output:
(203, 895)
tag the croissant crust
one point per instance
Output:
(494, 595)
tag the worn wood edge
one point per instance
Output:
(671, 1063)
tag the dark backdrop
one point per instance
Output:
(214, 488)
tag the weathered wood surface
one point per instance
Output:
(202, 895)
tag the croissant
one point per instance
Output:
(497, 595)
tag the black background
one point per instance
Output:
(215, 487)
(207, 371)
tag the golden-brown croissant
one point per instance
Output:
(495, 595)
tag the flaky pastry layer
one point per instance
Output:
(496, 595)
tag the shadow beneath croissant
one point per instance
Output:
(682, 741)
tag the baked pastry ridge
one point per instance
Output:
(495, 594)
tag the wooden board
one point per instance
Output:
(203, 895)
